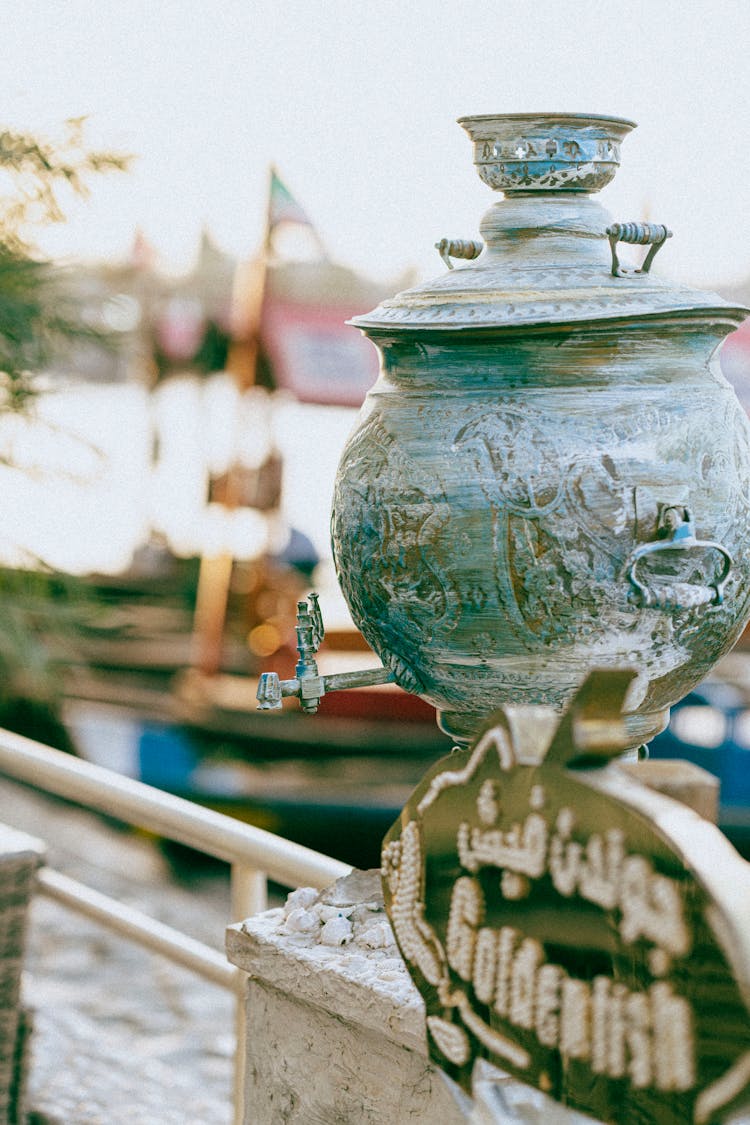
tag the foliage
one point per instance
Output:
(39, 616)
(35, 169)
(39, 319)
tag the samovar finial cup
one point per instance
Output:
(541, 152)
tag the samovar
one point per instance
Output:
(551, 473)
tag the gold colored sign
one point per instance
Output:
(584, 933)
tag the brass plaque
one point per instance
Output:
(584, 933)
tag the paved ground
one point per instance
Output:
(121, 1036)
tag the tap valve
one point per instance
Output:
(310, 633)
(308, 685)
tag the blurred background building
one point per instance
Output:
(182, 473)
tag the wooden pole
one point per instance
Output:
(215, 574)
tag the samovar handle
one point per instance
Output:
(641, 234)
(465, 248)
(677, 533)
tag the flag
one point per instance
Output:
(295, 313)
(735, 362)
(282, 206)
(142, 253)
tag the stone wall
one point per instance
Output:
(20, 858)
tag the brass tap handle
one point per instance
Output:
(449, 248)
(640, 234)
(676, 532)
(269, 692)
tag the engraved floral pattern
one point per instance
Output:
(584, 176)
(389, 524)
(509, 543)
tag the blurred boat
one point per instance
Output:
(335, 782)
(711, 727)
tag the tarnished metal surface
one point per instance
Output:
(534, 418)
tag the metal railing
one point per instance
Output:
(254, 856)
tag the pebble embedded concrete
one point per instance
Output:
(120, 1035)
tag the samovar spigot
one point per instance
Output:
(308, 685)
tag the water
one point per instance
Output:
(97, 470)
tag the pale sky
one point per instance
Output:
(356, 104)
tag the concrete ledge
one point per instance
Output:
(335, 1026)
(333, 978)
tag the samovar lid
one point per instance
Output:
(550, 254)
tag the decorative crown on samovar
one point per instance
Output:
(550, 474)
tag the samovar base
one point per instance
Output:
(464, 726)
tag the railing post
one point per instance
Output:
(249, 895)
(249, 891)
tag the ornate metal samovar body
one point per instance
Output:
(551, 473)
